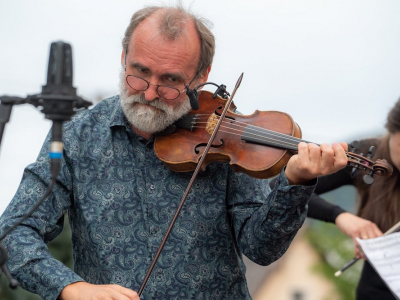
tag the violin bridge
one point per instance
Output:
(212, 123)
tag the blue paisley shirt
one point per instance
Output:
(120, 199)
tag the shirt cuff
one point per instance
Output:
(302, 192)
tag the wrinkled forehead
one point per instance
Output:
(153, 46)
(170, 28)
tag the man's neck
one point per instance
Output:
(144, 134)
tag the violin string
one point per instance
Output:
(283, 144)
(240, 126)
(292, 141)
(295, 141)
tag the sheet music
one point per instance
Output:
(383, 253)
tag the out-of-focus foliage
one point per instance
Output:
(334, 247)
(60, 248)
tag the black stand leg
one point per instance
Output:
(5, 113)
(3, 270)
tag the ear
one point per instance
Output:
(122, 57)
(204, 77)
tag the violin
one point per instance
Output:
(258, 145)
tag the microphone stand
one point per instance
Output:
(6, 105)
(59, 102)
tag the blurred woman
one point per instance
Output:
(379, 203)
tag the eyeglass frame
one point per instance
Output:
(156, 85)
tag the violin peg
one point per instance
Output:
(353, 172)
(356, 167)
(368, 179)
(371, 152)
(355, 145)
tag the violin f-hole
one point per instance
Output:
(197, 151)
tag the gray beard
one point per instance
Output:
(147, 119)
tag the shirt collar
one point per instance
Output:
(117, 117)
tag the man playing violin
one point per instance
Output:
(120, 197)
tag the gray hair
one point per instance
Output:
(172, 25)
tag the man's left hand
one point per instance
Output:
(313, 161)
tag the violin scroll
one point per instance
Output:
(359, 162)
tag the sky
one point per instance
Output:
(333, 65)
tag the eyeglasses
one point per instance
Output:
(164, 91)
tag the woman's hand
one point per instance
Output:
(357, 227)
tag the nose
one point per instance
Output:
(151, 93)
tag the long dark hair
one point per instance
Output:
(380, 202)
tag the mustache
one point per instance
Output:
(142, 100)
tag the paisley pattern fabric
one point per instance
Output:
(120, 199)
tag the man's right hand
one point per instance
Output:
(87, 291)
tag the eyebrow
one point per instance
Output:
(177, 76)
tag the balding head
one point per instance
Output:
(173, 23)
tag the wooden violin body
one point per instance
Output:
(236, 142)
(259, 144)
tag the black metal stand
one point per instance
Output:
(3, 258)
(6, 105)
(59, 102)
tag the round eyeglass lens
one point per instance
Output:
(168, 92)
(137, 83)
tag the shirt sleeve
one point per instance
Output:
(265, 221)
(30, 261)
(320, 209)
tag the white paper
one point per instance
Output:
(383, 253)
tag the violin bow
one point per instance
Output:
(183, 199)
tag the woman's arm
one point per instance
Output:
(348, 223)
